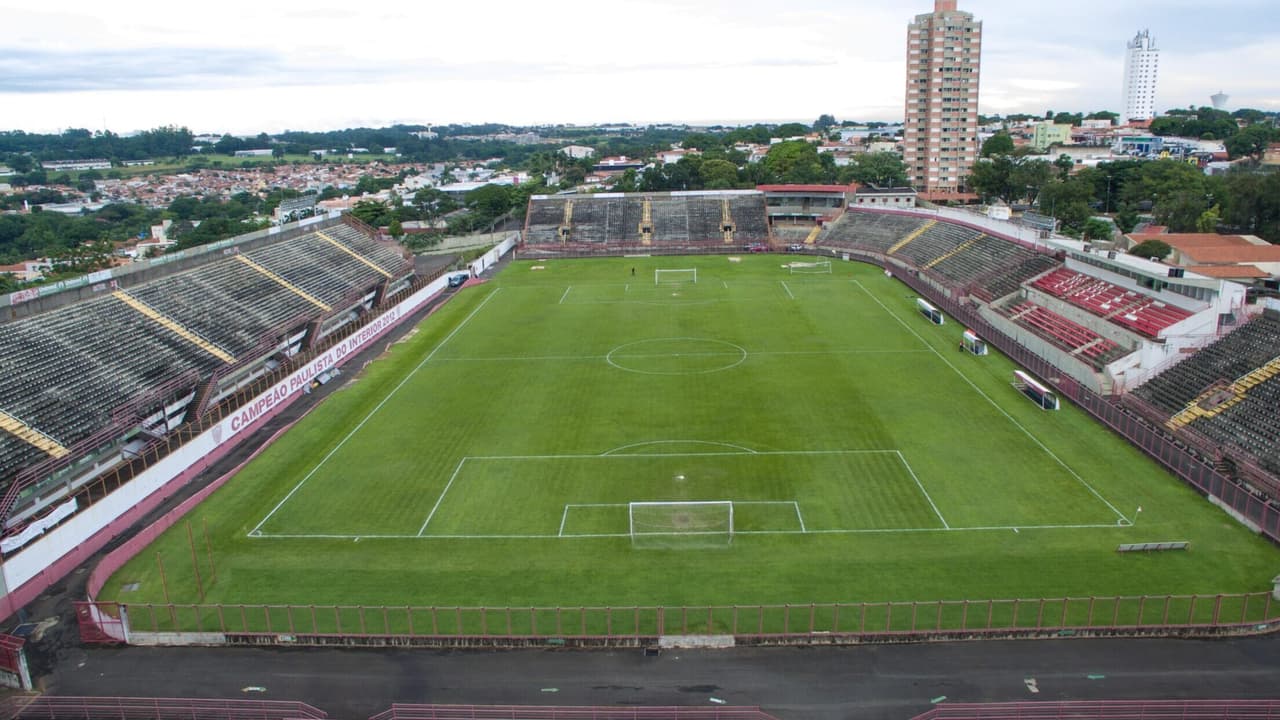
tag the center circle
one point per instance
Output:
(676, 356)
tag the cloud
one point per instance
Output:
(45, 71)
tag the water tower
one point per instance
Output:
(1220, 100)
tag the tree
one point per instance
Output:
(999, 144)
(1181, 211)
(1152, 249)
(372, 212)
(790, 130)
(1096, 229)
(795, 161)
(1102, 115)
(1209, 219)
(824, 123)
(489, 202)
(719, 174)
(1126, 218)
(882, 169)
(395, 229)
(1251, 141)
(1064, 165)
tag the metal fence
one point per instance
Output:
(555, 712)
(830, 622)
(1109, 710)
(48, 707)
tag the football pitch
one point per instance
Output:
(789, 437)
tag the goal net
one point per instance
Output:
(675, 275)
(689, 524)
(822, 266)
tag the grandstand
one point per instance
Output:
(670, 222)
(1228, 391)
(1127, 308)
(97, 380)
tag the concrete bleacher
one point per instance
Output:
(1249, 347)
(876, 232)
(70, 369)
(677, 219)
(1065, 334)
(937, 241)
(979, 258)
(1130, 309)
(1252, 424)
(1007, 281)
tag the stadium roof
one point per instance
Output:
(805, 188)
(1229, 272)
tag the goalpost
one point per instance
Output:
(681, 524)
(820, 267)
(675, 275)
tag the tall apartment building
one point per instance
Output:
(1141, 61)
(940, 138)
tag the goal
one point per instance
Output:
(819, 267)
(675, 275)
(681, 524)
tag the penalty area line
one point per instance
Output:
(924, 492)
(443, 492)
(375, 409)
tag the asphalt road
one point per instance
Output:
(894, 682)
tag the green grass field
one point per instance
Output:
(490, 457)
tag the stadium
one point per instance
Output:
(783, 416)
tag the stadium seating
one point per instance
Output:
(876, 232)
(1006, 281)
(678, 220)
(70, 369)
(1253, 424)
(980, 257)
(937, 241)
(1067, 335)
(1251, 346)
(1130, 309)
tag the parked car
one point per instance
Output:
(795, 248)
(457, 279)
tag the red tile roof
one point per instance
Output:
(1229, 272)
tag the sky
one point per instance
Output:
(244, 68)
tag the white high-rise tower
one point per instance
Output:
(1141, 62)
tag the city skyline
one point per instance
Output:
(137, 65)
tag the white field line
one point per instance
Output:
(375, 409)
(924, 492)
(799, 516)
(995, 405)
(443, 492)
(563, 519)
(806, 531)
(725, 283)
(580, 358)
(565, 295)
(678, 442)
(784, 287)
(680, 455)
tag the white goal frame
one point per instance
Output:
(692, 275)
(675, 504)
(821, 267)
